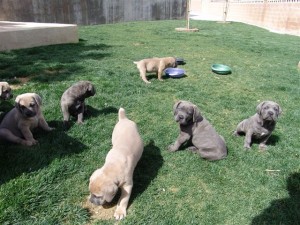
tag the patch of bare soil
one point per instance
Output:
(21, 82)
(105, 212)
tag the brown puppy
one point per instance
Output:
(119, 166)
(72, 100)
(261, 125)
(157, 65)
(5, 91)
(17, 124)
(195, 128)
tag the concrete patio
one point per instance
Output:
(17, 35)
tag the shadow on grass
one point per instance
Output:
(146, 170)
(283, 211)
(16, 160)
(49, 63)
(90, 112)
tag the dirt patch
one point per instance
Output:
(20, 81)
(105, 212)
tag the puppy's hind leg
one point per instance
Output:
(143, 76)
(7, 135)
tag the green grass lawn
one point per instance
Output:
(48, 183)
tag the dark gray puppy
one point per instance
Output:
(195, 128)
(260, 125)
(72, 100)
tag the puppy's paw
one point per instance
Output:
(120, 213)
(247, 146)
(235, 133)
(192, 149)
(29, 143)
(161, 79)
(262, 147)
(171, 148)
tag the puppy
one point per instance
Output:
(119, 166)
(260, 125)
(157, 65)
(195, 128)
(18, 123)
(72, 100)
(5, 91)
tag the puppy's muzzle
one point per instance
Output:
(28, 113)
(95, 200)
(271, 116)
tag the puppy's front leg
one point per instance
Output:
(248, 138)
(43, 124)
(80, 114)
(182, 138)
(120, 212)
(159, 73)
(262, 145)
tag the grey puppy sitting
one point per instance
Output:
(18, 123)
(261, 125)
(5, 91)
(195, 128)
(157, 65)
(72, 100)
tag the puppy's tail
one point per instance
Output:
(135, 62)
(122, 114)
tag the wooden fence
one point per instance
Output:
(89, 12)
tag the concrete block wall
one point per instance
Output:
(276, 16)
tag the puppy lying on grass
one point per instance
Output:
(117, 171)
(157, 65)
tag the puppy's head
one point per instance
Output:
(186, 113)
(268, 110)
(28, 104)
(102, 187)
(90, 89)
(5, 91)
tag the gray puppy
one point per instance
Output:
(260, 125)
(5, 91)
(18, 123)
(72, 100)
(195, 128)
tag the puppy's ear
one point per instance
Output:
(279, 109)
(259, 107)
(176, 106)
(17, 100)
(37, 99)
(196, 115)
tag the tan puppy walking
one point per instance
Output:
(117, 171)
(18, 123)
(157, 65)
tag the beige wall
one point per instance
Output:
(280, 17)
